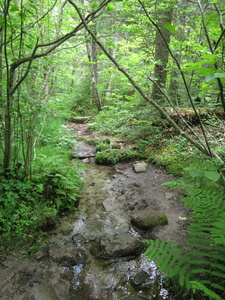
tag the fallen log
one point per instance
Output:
(189, 115)
(80, 120)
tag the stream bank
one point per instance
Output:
(87, 255)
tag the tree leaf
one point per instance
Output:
(212, 175)
(14, 8)
(206, 71)
(210, 77)
(170, 27)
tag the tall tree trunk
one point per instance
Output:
(10, 78)
(161, 55)
(93, 59)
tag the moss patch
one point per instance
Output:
(114, 156)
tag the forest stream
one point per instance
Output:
(96, 252)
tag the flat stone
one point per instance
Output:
(110, 204)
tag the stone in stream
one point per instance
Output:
(142, 281)
(67, 255)
(117, 246)
(148, 219)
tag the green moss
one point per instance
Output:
(163, 220)
(101, 147)
(112, 157)
(102, 140)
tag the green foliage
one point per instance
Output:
(126, 119)
(30, 205)
(24, 210)
(199, 268)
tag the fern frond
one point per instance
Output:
(199, 286)
(218, 274)
(173, 260)
(220, 259)
(218, 266)
(202, 269)
(217, 286)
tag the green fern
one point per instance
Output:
(201, 271)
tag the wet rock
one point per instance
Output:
(92, 228)
(118, 246)
(41, 293)
(97, 226)
(141, 281)
(110, 204)
(140, 167)
(67, 255)
(83, 292)
(148, 219)
(79, 238)
(122, 228)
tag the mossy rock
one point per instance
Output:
(112, 157)
(148, 219)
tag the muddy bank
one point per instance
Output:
(82, 257)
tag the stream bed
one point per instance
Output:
(96, 253)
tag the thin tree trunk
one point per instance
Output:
(93, 59)
(161, 55)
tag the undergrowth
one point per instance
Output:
(154, 140)
(30, 205)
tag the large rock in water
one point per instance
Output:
(117, 246)
(67, 256)
(148, 219)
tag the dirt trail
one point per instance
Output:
(65, 269)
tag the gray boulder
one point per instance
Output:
(117, 246)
